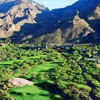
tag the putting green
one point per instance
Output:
(32, 93)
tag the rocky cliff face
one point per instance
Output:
(22, 19)
(29, 21)
(89, 13)
(72, 30)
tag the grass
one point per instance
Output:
(29, 93)
(39, 68)
(25, 90)
(43, 67)
(37, 91)
(6, 62)
(23, 59)
(34, 93)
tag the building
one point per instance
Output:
(36, 47)
(98, 61)
(2, 44)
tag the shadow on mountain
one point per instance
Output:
(85, 39)
(95, 24)
(26, 29)
(88, 38)
(6, 6)
(25, 17)
(45, 24)
(46, 17)
(18, 19)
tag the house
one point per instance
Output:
(94, 59)
(36, 47)
(64, 46)
(2, 44)
(98, 61)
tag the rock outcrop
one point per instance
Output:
(74, 29)
(19, 82)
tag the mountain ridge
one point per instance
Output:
(21, 14)
(28, 21)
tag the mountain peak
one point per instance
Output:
(29, 21)
(77, 15)
(16, 0)
(24, 16)
(6, 2)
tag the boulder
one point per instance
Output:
(19, 82)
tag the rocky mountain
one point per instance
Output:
(85, 7)
(29, 21)
(89, 11)
(24, 19)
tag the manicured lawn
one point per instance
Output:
(6, 62)
(28, 89)
(42, 90)
(33, 93)
(43, 67)
(38, 69)
(23, 59)
(29, 93)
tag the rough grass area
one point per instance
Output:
(44, 67)
(42, 89)
(29, 93)
(39, 91)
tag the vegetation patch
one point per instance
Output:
(57, 75)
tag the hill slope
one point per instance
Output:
(23, 18)
(89, 11)
(28, 21)
(84, 28)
